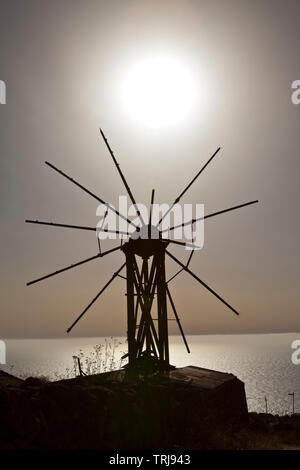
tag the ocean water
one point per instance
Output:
(263, 362)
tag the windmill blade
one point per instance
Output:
(188, 186)
(99, 255)
(177, 319)
(201, 282)
(96, 297)
(54, 224)
(210, 215)
(122, 177)
(90, 193)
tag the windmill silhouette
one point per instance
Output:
(145, 252)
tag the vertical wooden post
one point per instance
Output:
(130, 307)
(159, 313)
(162, 308)
(145, 280)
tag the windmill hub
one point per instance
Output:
(145, 232)
(145, 247)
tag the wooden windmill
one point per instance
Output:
(147, 286)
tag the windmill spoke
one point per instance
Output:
(201, 282)
(177, 319)
(96, 297)
(190, 258)
(191, 245)
(188, 186)
(151, 211)
(99, 255)
(180, 270)
(54, 224)
(97, 233)
(175, 275)
(117, 232)
(122, 177)
(91, 194)
(210, 215)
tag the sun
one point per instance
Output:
(158, 92)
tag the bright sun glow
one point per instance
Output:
(158, 92)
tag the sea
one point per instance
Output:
(262, 361)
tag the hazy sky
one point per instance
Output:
(63, 62)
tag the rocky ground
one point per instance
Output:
(107, 412)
